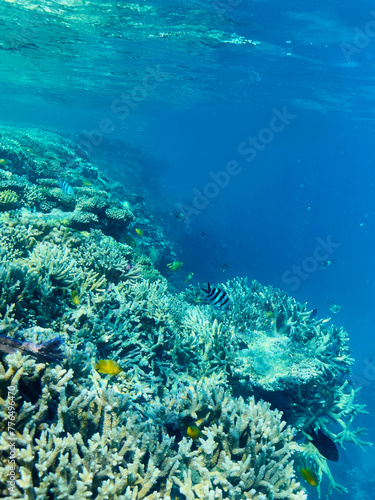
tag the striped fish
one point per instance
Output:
(66, 188)
(217, 297)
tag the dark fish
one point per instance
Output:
(326, 263)
(324, 444)
(313, 313)
(66, 188)
(48, 352)
(217, 297)
(179, 215)
(281, 321)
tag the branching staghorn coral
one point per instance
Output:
(205, 342)
(97, 443)
(104, 255)
(17, 286)
(56, 264)
(8, 199)
(283, 355)
(200, 341)
(244, 450)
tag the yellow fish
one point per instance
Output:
(87, 183)
(139, 231)
(193, 432)
(270, 314)
(108, 367)
(310, 476)
(3, 161)
(75, 297)
(175, 266)
(189, 276)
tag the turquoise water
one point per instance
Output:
(255, 120)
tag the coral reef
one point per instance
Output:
(141, 451)
(8, 199)
(64, 272)
(36, 160)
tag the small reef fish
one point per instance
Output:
(75, 297)
(189, 276)
(203, 235)
(193, 432)
(4, 161)
(66, 188)
(48, 352)
(139, 231)
(175, 266)
(335, 308)
(128, 240)
(310, 476)
(87, 183)
(216, 296)
(324, 445)
(224, 267)
(179, 215)
(326, 263)
(108, 367)
(313, 313)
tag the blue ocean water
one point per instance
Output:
(255, 120)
